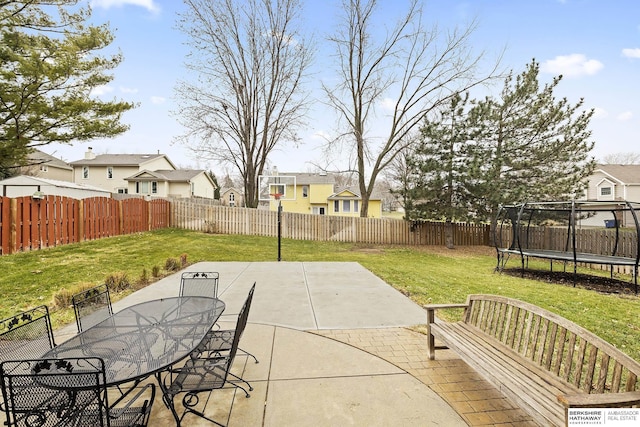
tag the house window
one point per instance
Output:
(123, 191)
(346, 206)
(85, 172)
(142, 187)
(193, 188)
(605, 191)
(336, 205)
(232, 197)
(318, 210)
(44, 168)
(305, 191)
(355, 206)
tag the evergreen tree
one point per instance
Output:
(477, 155)
(529, 145)
(48, 67)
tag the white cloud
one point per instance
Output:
(150, 5)
(631, 53)
(158, 100)
(388, 104)
(101, 90)
(623, 117)
(600, 113)
(128, 89)
(573, 65)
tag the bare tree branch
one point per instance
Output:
(251, 64)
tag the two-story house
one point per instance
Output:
(143, 174)
(315, 193)
(614, 183)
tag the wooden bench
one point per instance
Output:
(541, 361)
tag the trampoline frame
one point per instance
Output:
(521, 216)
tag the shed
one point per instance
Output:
(23, 185)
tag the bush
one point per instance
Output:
(64, 297)
(183, 260)
(155, 271)
(172, 264)
(117, 282)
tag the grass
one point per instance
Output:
(426, 274)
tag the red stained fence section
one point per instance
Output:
(28, 224)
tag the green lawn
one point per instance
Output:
(427, 274)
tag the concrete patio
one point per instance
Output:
(337, 347)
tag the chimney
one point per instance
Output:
(89, 155)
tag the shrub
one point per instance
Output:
(64, 297)
(117, 282)
(155, 271)
(183, 260)
(172, 264)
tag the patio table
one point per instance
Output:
(145, 338)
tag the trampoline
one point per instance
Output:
(602, 233)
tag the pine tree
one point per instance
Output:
(48, 68)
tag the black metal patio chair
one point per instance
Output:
(68, 392)
(92, 306)
(219, 341)
(26, 335)
(199, 284)
(204, 374)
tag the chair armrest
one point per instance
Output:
(603, 400)
(443, 306)
(117, 412)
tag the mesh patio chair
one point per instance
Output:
(92, 306)
(203, 374)
(219, 341)
(26, 335)
(68, 392)
(199, 284)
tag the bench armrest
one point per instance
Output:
(443, 306)
(603, 400)
(431, 318)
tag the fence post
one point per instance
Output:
(80, 220)
(13, 218)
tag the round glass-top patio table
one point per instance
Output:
(145, 338)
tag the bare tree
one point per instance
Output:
(628, 158)
(251, 62)
(413, 68)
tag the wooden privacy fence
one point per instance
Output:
(28, 224)
(258, 222)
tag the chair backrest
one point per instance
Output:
(55, 392)
(243, 316)
(92, 306)
(199, 284)
(26, 335)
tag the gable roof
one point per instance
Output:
(40, 157)
(354, 192)
(119, 160)
(180, 175)
(311, 178)
(625, 174)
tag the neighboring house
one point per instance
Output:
(612, 183)
(47, 166)
(172, 183)
(110, 171)
(37, 187)
(231, 197)
(315, 193)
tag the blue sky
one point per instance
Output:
(595, 44)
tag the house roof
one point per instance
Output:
(34, 180)
(40, 157)
(355, 193)
(180, 175)
(119, 160)
(625, 174)
(311, 178)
